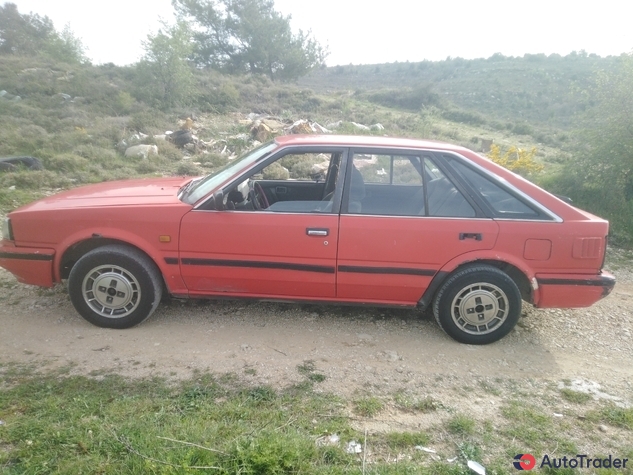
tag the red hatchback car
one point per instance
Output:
(361, 220)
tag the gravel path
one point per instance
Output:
(355, 348)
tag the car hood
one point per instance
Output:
(138, 192)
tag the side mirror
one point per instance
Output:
(218, 199)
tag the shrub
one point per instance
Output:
(516, 159)
(187, 169)
(522, 129)
(406, 98)
(34, 180)
(65, 163)
(275, 171)
(466, 117)
(169, 151)
(213, 160)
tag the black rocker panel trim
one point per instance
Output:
(387, 270)
(257, 265)
(26, 257)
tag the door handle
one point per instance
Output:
(317, 232)
(475, 236)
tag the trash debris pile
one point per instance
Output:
(259, 128)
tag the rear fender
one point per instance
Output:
(523, 275)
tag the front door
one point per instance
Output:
(278, 240)
(259, 253)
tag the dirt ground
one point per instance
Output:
(357, 349)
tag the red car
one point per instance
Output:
(363, 220)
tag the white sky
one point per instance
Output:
(368, 32)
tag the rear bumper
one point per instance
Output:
(29, 265)
(572, 291)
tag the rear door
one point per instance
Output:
(410, 221)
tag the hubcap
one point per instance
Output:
(480, 308)
(111, 291)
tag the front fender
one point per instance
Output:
(159, 252)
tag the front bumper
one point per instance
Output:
(572, 291)
(29, 265)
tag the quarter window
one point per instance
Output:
(503, 203)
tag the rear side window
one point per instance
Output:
(403, 185)
(502, 202)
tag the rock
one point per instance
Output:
(11, 163)
(141, 151)
(301, 127)
(390, 355)
(360, 126)
(262, 132)
(180, 138)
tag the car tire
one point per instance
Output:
(477, 305)
(115, 286)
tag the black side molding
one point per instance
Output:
(26, 257)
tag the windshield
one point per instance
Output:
(207, 184)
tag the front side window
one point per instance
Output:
(297, 182)
(201, 187)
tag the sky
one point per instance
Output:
(366, 32)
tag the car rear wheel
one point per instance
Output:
(478, 305)
(115, 286)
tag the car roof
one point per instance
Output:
(364, 141)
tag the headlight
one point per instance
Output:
(7, 232)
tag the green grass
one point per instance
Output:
(536, 429)
(402, 440)
(414, 404)
(368, 406)
(107, 424)
(461, 424)
(615, 416)
(113, 425)
(308, 369)
(575, 396)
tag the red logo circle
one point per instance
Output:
(524, 462)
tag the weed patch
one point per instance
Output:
(461, 425)
(575, 396)
(368, 406)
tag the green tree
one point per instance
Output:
(600, 177)
(249, 36)
(34, 35)
(165, 77)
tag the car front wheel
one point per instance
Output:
(478, 305)
(115, 286)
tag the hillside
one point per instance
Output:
(78, 119)
(535, 90)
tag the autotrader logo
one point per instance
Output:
(524, 461)
(528, 462)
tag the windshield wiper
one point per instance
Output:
(187, 187)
